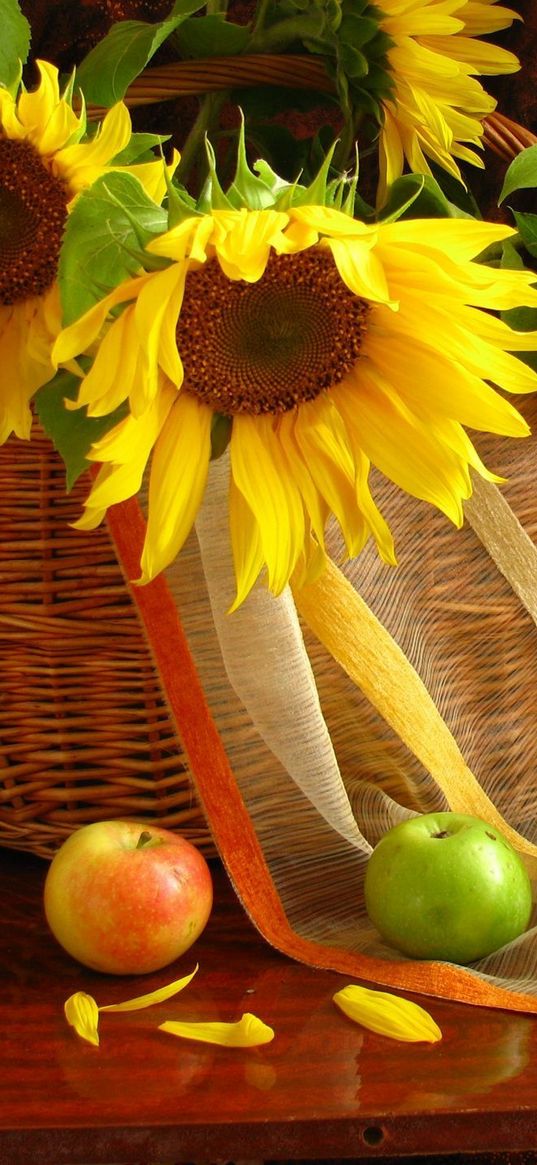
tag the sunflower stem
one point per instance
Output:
(346, 147)
(260, 19)
(192, 150)
(277, 37)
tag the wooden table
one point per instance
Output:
(322, 1090)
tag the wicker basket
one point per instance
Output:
(85, 733)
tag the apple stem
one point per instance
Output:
(143, 839)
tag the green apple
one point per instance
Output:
(447, 886)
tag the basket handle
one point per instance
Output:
(504, 137)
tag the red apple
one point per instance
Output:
(127, 898)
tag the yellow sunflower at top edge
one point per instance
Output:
(327, 345)
(45, 162)
(438, 105)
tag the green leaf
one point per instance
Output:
(353, 62)
(180, 204)
(212, 194)
(510, 257)
(106, 231)
(403, 193)
(521, 319)
(14, 44)
(419, 194)
(315, 193)
(247, 187)
(71, 431)
(140, 148)
(108, 70)
(527, 226)
(210, 36)
(522, 173)
(358, 30)
(277, 147)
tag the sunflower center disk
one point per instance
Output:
(33, 210)
(265, 347)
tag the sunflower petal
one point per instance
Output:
(78, 337)
(82, 1013)
(153, 997)
(152, 175)
(325, 449)
(437, 105)
(247, 550)
(261, 473)
(244, 249)
(81, 164)
(177, 483)
(156, 312)
(248, 1032)
(403, 447)
(387, 1014)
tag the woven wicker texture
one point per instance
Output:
(85, 733)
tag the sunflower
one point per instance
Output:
(44, 163)
(437, 106)
(324, 345)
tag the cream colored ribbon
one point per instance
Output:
(269, 669)
(507, 542)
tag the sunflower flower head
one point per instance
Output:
(318, 345)
(437, 107)
(47, 157)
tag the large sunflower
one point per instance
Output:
(329, 345)
(437, 107)
(45, 162)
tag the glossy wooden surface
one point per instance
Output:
(324, 1089)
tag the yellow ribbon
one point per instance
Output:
(356, 639)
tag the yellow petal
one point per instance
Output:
(461, 238)
(152, 175)
(244, 249)
(333, 223)
(261, 473)
(248, 1032)
(361, 270)
(189, 238)
(316, 507)
(82, 1013)
(153, 997)
(391, 155)
(78, 336)
(323, 443)
(481, 19)
(81, 164)
(483, 58)
(246, 546)
(156, 312)
(177, 481)
(388, 1015)
(411, 456)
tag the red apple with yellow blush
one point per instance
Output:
(127, 898)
